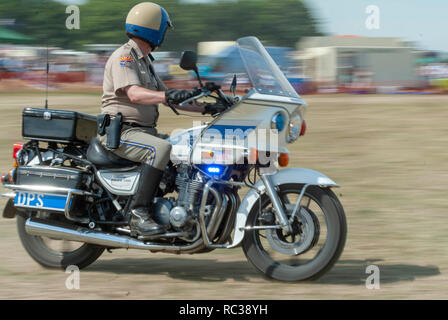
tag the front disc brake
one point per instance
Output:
(306, 229)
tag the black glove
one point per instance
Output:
(174, 96)
(211, 86)
(214, 108)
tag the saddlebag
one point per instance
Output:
(60, 177)
(58, 125)
(57, 189)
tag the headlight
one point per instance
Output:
(278, 121)
(294, 128)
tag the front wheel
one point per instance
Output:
(55, 253)
(315, 243)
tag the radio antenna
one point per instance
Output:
(46, 86)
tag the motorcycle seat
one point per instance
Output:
(103, 158)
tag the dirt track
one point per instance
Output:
(388, 153)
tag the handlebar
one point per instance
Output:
(205, 91)
(202, 94)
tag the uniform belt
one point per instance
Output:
(134, 124)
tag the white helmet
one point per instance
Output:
(148, 21)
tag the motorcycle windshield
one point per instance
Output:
(263, 72)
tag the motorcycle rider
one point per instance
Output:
(132, 88)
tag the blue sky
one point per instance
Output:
(422, 21)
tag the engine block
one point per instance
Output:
(189, 189)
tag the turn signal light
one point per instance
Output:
(253, 155)
(283, 160)
(15, 149)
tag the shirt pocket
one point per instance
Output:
(148, 79)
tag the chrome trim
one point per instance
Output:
(274, 98)
(10, 195)
(40, 227)
(231, 217)
(204, 229)
(38, 188)
(272, 194)
(205, 237)
(215, 220)
(71, 193)
(126, 231)
(302, 192)
(163, 235)
(112, 189)
(260, 227)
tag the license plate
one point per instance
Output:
(40, 200)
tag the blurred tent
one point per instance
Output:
(9, 36)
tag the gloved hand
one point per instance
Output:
(174, 96)
(213, 108)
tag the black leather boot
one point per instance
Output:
(141, 221)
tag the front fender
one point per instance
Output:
(292, 175)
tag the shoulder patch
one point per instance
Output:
(125, 61)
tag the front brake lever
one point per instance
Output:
(172, 108)
(202, 94)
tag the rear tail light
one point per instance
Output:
(16, 148)
(303, 128)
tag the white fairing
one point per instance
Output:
(293, 175)
(182, 142)
(118, 182)
(245, 126)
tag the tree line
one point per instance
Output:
(277, 23)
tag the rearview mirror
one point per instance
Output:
(188, 60)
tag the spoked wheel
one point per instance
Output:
(315, 243)
(56, 253)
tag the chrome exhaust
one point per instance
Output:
(63, 231)
(52, 229)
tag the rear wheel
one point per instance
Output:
(56, 253)
(316, 242)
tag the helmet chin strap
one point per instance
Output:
(153, 48)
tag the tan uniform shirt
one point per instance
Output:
(128, 66)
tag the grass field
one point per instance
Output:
(389, 154)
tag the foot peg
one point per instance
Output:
(143, 225)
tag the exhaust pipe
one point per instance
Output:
(57, 230)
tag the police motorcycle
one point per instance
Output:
(224, 187)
